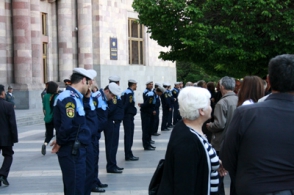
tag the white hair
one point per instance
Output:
(191, 99)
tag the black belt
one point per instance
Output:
(284, 192)
(81, 145)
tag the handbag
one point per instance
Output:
(156, 178)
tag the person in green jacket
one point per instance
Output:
(48, 102)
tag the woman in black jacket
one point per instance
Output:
(191, 164)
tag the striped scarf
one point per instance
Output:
(214, 162)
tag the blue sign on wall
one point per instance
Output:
(113, 48)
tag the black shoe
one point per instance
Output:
(156, 134)
(102, 185)
(165, 129)
(152, 142)
(97, 189)
(43, 151)
(133, 158)
(149, 148)
(114, 171)
(152, 146)
(120, 168)
(4, 180)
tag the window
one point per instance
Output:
(136, 47)
(44, 24)
(45, 62)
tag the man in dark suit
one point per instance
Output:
(9, 96)
(258, 146)
(8, 135)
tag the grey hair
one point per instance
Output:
(228, 83)
(191, 99)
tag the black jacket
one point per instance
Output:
(186, 167)
(8, 130)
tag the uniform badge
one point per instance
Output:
(151, 100)
(175, 92)
(95, 103)
(166, 95)
(70, 109)
(131, 99)
(114, 100)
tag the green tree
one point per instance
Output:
(235, 37)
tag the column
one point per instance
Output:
(22, 41)
(65, 34)
(3, 34)
(37, 63)
(85, 35)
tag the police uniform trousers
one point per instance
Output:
(170, 117)
(73, 169)
(95, 144)
(155, 122)
(164, 121)
(7, 153)
(111, 135)
(146, 119)
(90, 167)
(176, 114)
(128, 123)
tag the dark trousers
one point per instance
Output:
(73, 170)
(170, 117)
(90, 167)
(7, 153)
(164, 121)
(176, 114)
(95, 143)
(128, 123)
(155, 122)
(146, 119)
(111, 135)
(49, 131)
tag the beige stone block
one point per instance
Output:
(24, 53)
(2, 33)
(21, 12)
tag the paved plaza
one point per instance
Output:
(34, 174)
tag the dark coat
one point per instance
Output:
(185, 167)
(8, 129)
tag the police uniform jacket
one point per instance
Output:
(70, 118)
(101, 105)
(128, 98)
(116, 109)
(171, 98)
(175, 93)
(148, 101)
(157, 104)
(165, 100)
(91, 115)
(8, 130)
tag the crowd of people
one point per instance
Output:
(240, 126)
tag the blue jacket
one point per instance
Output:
(149, 101)
(70, 118)
(128, 99)
(157, 104)
(165, 100)
(101, 105)
(91, 115)
(116, 109)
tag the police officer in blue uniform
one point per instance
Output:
(166, 108)
(111, 133)
(128, 98)
(73, 134)
(172, 101)
(175, 93)
(100, 99)
(156, 116)
(147, 112)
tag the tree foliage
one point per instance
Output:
(235, 37)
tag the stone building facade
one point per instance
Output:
(43, 40)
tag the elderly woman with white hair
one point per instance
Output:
(191, 164)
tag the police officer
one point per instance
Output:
(170, 113)
(10, 96)
(128, 98)
(175, 93)
(100, 99)
(73, 134)
(111, 133)
(166, 108)
(147, 112)
(156, 116)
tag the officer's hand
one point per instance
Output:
(55, 147)
(154, 112)
(139, 104)
(88, 94)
